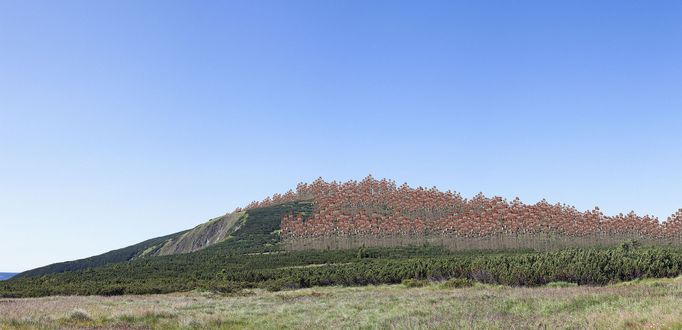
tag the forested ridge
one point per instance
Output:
(120, 255)
(373, 232)
(252, 259)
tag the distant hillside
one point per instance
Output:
(262, 231)
(120, 255)
(204, 235)
(6, 276)
(256, 236)
(337, 218)
(375, 212)
(374, 232)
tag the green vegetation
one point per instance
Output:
(413, 283)
(213, 269)
(560, 284)
(252, 258)
(120, 255)
(256, 236)
(644, 304)
(457, 283)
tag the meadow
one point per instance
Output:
(640, 304)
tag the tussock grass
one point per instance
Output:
(78, 316)
(456, 283)
(560, 284)
(414, 283)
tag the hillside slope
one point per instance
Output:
(119, 255)
(254, 245)
(336, 218)
(214, 231)
(253, 256)
(374, 212)
(255, 230)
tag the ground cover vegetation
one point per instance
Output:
(640, 304)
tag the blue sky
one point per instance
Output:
(125, 120)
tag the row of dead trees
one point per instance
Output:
(381, 209)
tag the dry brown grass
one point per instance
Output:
(649, 304)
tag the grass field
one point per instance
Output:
(655, 303)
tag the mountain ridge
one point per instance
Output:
(114, 256)
(256, 255)
(371, 212)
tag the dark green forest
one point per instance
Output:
(252, 258)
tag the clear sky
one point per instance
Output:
(126, 120)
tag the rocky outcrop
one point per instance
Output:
(204, 235)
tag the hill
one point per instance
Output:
(212, 232)
(251, 246)
(120, 255)
(379, 213)
(373, 231)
